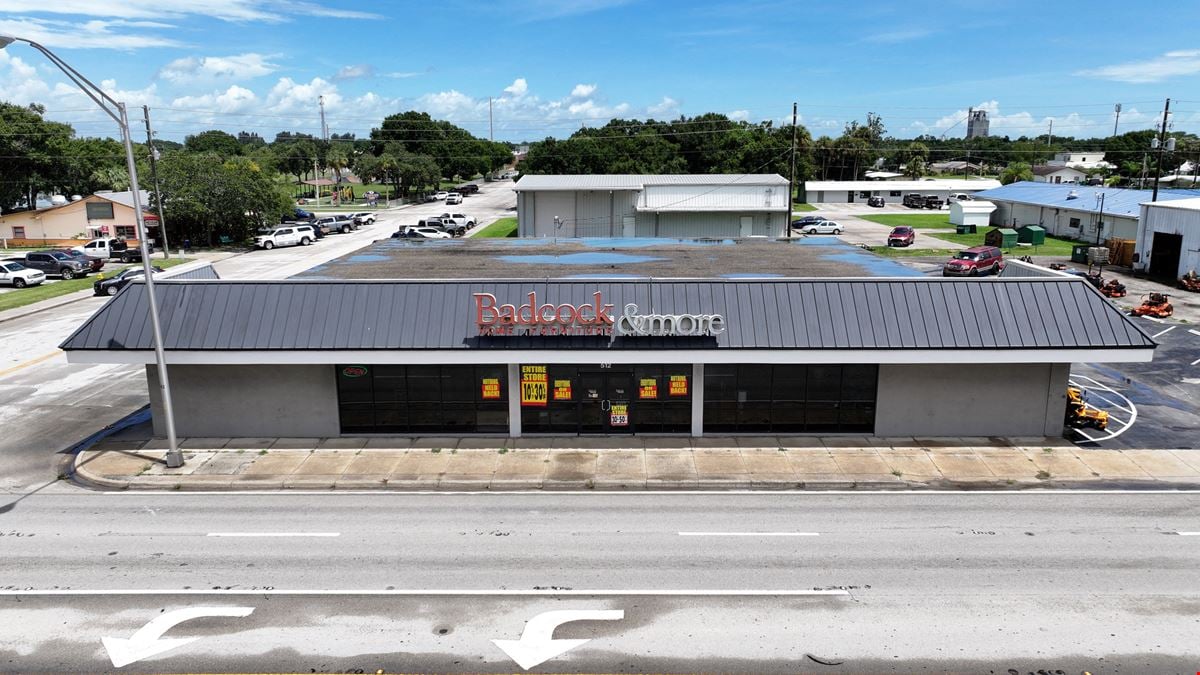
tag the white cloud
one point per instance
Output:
(404, 75)
(518, 87)
(289, 97)
(1171, 64)
(1025, 123)
(543, 10)
(238, 67)
(739, 115)
(353, 72)
(272, 11)
(235, 99)
(667, 106)
(583, 90)
(87, 35)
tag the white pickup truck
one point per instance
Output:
(103, 248)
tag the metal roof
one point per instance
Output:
(951, 184)
(190, 272)
(639, 181)
(1117, 201)
(1192, 204)
(800, 314)
(1015, 269)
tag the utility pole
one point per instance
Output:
(1117, 110)
(1161, 143)
(162, 224)
(792, 174)
(1100, 219)
(491, 129)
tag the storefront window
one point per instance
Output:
(422, 399)
(609, 400)
(789, 398)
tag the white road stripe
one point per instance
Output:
(593, 493)
(1188, 534)
(1195, 362)
(1193, 331)
(274, 534)
(1164, 332)
(1154, 319)
(749, 534)
(436, 592)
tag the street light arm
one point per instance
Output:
(106, 102)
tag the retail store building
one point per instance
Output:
(676, 206)
(923, 357)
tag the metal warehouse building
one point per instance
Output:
(892, 191)
(912, 357)
(1169, 242)
(1074, 211)
(676, 206)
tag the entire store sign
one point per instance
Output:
(594, 318)
(618, 415)
(534, 386)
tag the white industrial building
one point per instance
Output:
(627, 205)
(1081, 160)
(1052, 173)
(1084, 212)
(975, 212)
(892, 191)
(1168, 245)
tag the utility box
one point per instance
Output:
(1001, 237)
(1032, 234)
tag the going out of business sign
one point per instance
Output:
(594, 318)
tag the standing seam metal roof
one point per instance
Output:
(639, 181)
(916, 313)
(1121, 202)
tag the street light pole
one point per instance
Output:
(118, 113)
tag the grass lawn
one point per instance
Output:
(1053, 245)
(45, 291)
(505, 227)
(917, 220)
(803, 207)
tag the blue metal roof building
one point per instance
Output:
(1120, 202)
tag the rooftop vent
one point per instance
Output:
(1072, 195)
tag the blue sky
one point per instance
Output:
(552, 66)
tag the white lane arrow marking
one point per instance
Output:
(537, 643)
(147, 642)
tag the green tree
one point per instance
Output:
(1016, 172)
(205, 197)
(214, 140)
(295, 157)
(32, 156)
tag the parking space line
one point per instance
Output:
(1195, 362)
(1193, 331)
(1154, 319)
(1165, 331)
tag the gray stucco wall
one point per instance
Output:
(221, 401)
(971, 400)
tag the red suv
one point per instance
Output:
(901, 236)
(974, 262)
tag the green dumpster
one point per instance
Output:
(1079, 253)
(1032, 234)
(965, 229)
(1002, 237)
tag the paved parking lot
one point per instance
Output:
(859, 231)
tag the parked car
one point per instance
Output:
(914, 200)
(449, 227)
(94, 264)
(17, 275)
(103, 248)
(823, 227)
(113, 285)
(338, 223)
(975, 261)
(875, 201)
(286, 235)
(453, 198)
(959, 197)
(467, 189)
(459, 219)
(56, 263)
(132, 254)
(901, 236)
(425, 232)
(298, 214)
(440, 195)
(363, 218)
(806, 220)
(933, 202)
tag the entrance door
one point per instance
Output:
(1164, 255)
(747, 225)
(606, 402)
(628, 227)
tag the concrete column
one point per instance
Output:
(514, 400)
(697, 399)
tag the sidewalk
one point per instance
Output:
(629, 464)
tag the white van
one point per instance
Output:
(286, 235)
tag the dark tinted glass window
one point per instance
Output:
(797, 399)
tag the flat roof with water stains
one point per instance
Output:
(610, 258)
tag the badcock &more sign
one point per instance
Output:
(595, 318)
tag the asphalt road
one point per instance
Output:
(973, 582)
(47, 405)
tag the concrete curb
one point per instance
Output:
(227, 483)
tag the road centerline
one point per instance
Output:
(749, 534)
(274, 534)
